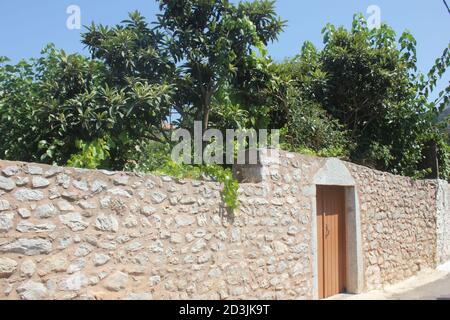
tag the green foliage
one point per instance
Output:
(153, 157)
(227, 113)
(50, 103)
(306, 127)
(37, 122)
(359, 98)
(91, 156)
(58, 108)
(366, 82)
(230, 185)
(309, 127)
(443, 149)
(216, 172)
(147, 156)
(198, 46)
(368, 89)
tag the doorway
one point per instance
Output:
(331, 240)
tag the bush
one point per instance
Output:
(91, 156)
(310, 128)
(49, 104)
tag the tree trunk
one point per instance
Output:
(431, 160)
(206, 118)
(206, 108)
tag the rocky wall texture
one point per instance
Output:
(80, 234)
(76, 234)
(443, 222)
(398, 215)
(398, 225)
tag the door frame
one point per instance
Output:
(335, 173)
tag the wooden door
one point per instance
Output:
(331, 240)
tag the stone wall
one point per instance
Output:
(79, 234)
(443, 222)
(397, 214)
(75, 234)
(398, 225)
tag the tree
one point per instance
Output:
(307, 126)
(64, 107)
(37, 123)
(53, 105)
(199, 46)
(368, 81)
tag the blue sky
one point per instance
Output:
(26, 26)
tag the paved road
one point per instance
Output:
(437, 290)
(427, 285)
